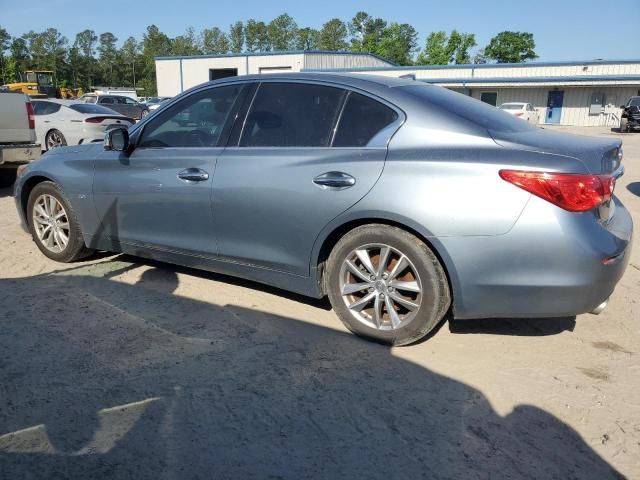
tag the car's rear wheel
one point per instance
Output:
(54, 139)
(386, 284)
(624, 125)
(54, 225)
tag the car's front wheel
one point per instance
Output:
(54, 225)
(386, 284)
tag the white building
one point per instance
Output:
(567, 93)
(176, 74)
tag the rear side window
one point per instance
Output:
(107, 100)
(361, 120)
(292, 115)
(45, 108)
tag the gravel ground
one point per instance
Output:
(125, 368)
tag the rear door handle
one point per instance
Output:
(335, 180)
(193, 175)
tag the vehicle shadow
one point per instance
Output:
(102, 379)
(527, 327)
(634, 187)
(6, 191)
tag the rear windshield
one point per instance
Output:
(468, 108)
(90, 108)
(511, 106)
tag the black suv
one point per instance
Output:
(630, 118)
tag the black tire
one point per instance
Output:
(51, 134)
(7, 177)
(435, 294)
(75, 248)
(624, 125)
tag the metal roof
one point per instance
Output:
(278, 52)
(569, 63)
(575, 78)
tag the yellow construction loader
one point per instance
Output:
(42, 84)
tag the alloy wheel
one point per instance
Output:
(380, 286)
(51, 223)
(55, 139)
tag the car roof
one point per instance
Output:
(347, 79)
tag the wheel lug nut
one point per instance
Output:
(382, 296)
(371, 289)
(372, 277)
(384, 275)
(390, 289)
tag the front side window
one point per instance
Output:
(195, 121)
(362, 118)
(292, 115)
(129, 101)
(107, 100)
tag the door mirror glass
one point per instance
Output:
(117, 139)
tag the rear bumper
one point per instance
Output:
(551, 264)
(18, 153)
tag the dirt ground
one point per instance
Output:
(125, 368)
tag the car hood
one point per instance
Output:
(597, 154)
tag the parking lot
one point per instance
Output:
(119, 367)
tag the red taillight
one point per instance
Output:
(94, 119)
(518, 114)
(30, 116)
(574, 192)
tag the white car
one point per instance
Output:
(154, 102)
(525, 111)
(68, 122)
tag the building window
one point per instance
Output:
(489, 97)
(597, 103)
(218, 73)
(274, 69)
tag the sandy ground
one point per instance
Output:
(123, 368)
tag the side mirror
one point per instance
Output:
(623, 106)
(117, 139)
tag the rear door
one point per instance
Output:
(290, 170)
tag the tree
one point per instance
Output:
(366, 32)
(333, 35)
(398, 43)
(236, 37)
(214, 41)
(5, 38)
(441, 49)
(154, 44)
(511, 47)
(85, 43)
(461, 43)
(256, 36)
(187, 44)
(307, 39)
(19, 59)
(282, 32)
(130, 53)
(107, 54)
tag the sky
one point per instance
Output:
(563, 29)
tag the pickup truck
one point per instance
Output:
(17, 135)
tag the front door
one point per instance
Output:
(292, 171)
(554, 106)
(159, 195)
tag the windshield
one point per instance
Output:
(634, 102)
(511, 106)
(468, 108)
(91, 108)
(45, 79)
(31, 77)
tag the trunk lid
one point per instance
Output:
(599, 155)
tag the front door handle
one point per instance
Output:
(335, 180)
(193, 175)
